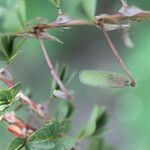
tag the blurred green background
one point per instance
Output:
(86, 48)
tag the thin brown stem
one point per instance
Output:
(37, 108)
(26, 100)
(7, 82)
(112, 18)
(116, 54)
(71, 23)
(53, 72)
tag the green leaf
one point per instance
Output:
(64, 143)
(51, 137)
(96, 143)
(66, 125)
(101, 122)
(96, 123)
(10, 47)
(89, 7)
(56, 3)
(60, 143)
(7, 97)
(38, 145)
(2, 56)
(51, 130)
(15, 89)
(65, 78)
(62, 71)
(64, 109)
(15, 11)
(16, 144)
(104, 79)
(21, 12)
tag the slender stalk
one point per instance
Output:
(112, 18)
(7, 82)
(37, 108)
(26, 100)
(53, 72)
(117, 56)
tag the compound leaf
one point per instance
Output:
(16, 144)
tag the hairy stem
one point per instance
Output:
(52, 70)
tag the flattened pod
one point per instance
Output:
(104, 79)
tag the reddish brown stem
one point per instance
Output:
(37, 108)
(25, 100)
(116, 54)
(52, 70)
(7, 82)
(113, 18)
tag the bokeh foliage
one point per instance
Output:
(136, 131)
